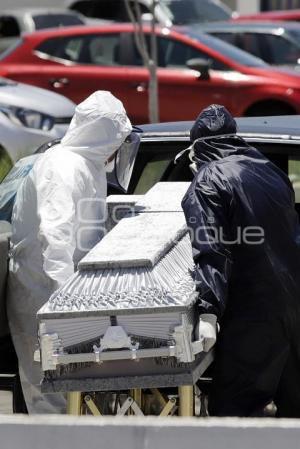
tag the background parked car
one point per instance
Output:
(168, 12)
(277, 43)
(195, 69)
(278, 138)
(29, 116)
(283, 14)
(13, 22)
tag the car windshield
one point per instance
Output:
(234, 53)
(184, 12)
(55, 20)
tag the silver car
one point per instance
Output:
(15, 21)
(29, 117)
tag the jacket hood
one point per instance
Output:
(212, 121)
(98, 128)
(213, 136)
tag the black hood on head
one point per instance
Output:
(213, 135)
(214, 120)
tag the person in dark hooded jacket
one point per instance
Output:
(244, 230)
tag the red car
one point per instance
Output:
(195, 70)
(283, 14)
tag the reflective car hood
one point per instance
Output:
(30, 97)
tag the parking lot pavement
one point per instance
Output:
(5, 402)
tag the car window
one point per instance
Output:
(249, 42)
(281, 50)
(234, 53)
(104, 50)
(86, 49)
(9, 27)
(172, 54)
(176, 54)
(53, 47)
(155, 163)
(55, 20)
(106, 9)
(294, 33)
(194, 11)
(72, 49)
(152, 173)
(252, 43)
(231, 38)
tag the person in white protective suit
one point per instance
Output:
(58, 217)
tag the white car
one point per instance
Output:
(29, 117)
(15, 21)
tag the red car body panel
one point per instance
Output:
(182, 93)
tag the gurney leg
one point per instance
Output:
(136, 395)
(74, 403)
(186, 400)
(91, 405)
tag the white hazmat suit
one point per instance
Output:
(58, 216)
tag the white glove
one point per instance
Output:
(207, 330)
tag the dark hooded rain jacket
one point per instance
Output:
(244, 227)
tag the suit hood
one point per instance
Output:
(98, 128)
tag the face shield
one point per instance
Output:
(119, 170)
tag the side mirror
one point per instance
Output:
(201, 65)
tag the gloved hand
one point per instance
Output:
(207, 330)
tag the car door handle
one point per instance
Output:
(140, 87)
(57, 83)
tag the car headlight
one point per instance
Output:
(28, 117)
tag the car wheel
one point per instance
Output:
(269, 108)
